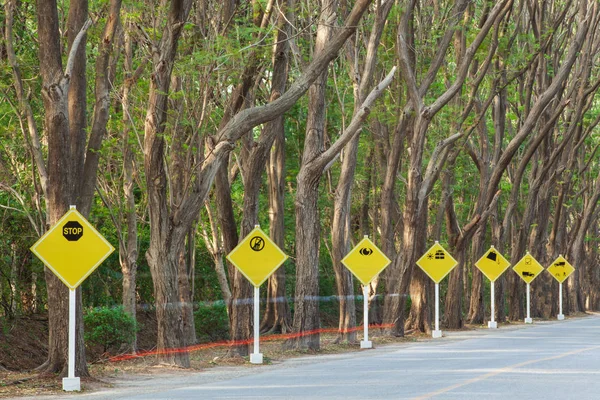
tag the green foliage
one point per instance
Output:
(109, 327)
(206, 282)
(212, 322)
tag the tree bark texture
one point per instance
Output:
(60, 170)
(277, 316)
(306, 309)
(340, 228)
(166, 240)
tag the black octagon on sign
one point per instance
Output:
(72, 231)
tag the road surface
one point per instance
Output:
(546, 360)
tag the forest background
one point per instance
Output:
(177, 126)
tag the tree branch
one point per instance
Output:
(75, 46)
(356, 123)
(436, 161)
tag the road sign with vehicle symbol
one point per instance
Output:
(528, 268)
(560, 269)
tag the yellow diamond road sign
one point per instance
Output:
(257, 257)
(492, 264)
(366, 261)
(72, 249)
(437, 262)
(560, 269)
(528, 268)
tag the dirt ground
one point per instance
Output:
(24, 341)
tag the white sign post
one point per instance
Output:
(72, 249)
(366, 343)
(257, 257)
(366, 261)
(492, 324)
(560, 270)
(437, 333)
(256, 357)
(492, 264)
(437, 263)
(560, 315)
(72, 382)
(528, 319)
(528, 268)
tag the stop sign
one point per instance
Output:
(72, 231)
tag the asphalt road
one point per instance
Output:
(546, 360)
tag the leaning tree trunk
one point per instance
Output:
(172, 227)
(577, 251)
(306, 309)
(277, 316)
(255, 158)
(314, 163)
(340, 227)
(419, 184)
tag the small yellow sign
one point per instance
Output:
(492, 264)
(528, 268)
(560, 269)
(366, 261)
(257, 257)
(437, 262)
(72, 249)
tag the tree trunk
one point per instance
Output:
(516, 286)
(389, 214)
(476, 309)
(306, 309)
(420, 183)
(187, 266)
(167, 234)
(240, 316)
(577, 251)
(277, 317)
(420, 289)
(215, 247)
(314, 163)
(256, 154)
(77, 100)
(180, 170)
(419, 318)
(453, 311)
(55, 82)
(340, 227)
(128, 251)
(164, 263)
(306, 304)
